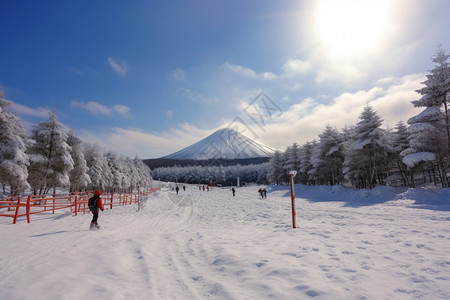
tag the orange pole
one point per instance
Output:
(292, 200)
(76, 206)
(16, 214)
(28, 209)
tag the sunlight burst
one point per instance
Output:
(351, 27)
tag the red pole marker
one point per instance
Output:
(291, 176)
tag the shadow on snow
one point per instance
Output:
(433, 199)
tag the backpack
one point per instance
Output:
(93, 204)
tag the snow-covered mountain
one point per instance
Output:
(223, 144)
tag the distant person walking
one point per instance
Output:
(260, 191)
(95, 203)
(234, 191)
(264, 193)
(177, 189)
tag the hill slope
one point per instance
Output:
(223, 144)
(211, 245)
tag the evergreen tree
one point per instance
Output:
(427, 131)
(369, 149)
(13, 158)
(292, 158)
(99, 171)
(79, 179)
(50, 159)
(305, 156)
(277, 170)
(400, 142)
(437, 87)
(327, 157)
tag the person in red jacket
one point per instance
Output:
(95, 204)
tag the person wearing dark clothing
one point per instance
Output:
(264, 193)
(260, 191)
(96, 206)
(234, 191)
(177, 189)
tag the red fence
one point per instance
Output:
(77, 203)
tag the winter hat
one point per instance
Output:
(97, 193)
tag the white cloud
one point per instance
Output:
(132, 141)
(305, 121)
(122, 109)
(23, 110)
(296, 66)
(100, 109)
(196, 97)
(119, 66)
(178, 75)
(249, 73)
(93, 107)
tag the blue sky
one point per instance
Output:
(148, 78)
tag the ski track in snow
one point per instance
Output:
(210, 245)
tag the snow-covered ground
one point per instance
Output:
(377, 244)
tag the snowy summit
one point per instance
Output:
(224, 144)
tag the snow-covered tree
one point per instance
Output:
(305, 154)
(117, 167)
(366, 159)
(327, 157)
(13, 158)
(79, 179)
(400, 142)
(143, 179)
(50, 159)
(277, 171)
(99, 170)
(427, 131)
(437, 87)
(292, 158)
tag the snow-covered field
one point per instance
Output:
(377, 244)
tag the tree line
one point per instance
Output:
(363, 155)
(52, 156)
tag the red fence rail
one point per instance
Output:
(13, 206)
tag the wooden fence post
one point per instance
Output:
(28, 209)
(16, 214)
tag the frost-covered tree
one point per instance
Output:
(292, 158)
(117, 168)
(50, 159)
(13, 158)
(327, 157)
(400, 142)
(305, 155)
(427, 133)
(437, 87)
(79, 179)
(143, 179)
(367, 156)
(99, 170)
(277, 170)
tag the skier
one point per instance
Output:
(184, 188)
(95, 204)
(177, 189)
(234, 191)
(264, 191)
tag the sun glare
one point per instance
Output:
(351, 27)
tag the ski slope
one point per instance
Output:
(377, 244)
